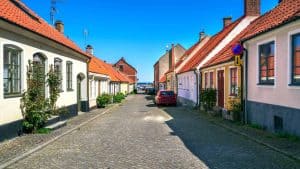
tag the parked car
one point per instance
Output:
(166, 97)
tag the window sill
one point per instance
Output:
(265, 84)
(12, 96)
(294, 85)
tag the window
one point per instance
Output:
(233, 82)
(121, 68)
(266, 63)
(211, 79)
(58, 70)
(296, 59)
(206, 80)
(12, 71)
(69, 79)
(39, 71)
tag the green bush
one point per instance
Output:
(119, 97)
(103, 100)
(208, 98)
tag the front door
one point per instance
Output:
(78, 93)
(221, 88)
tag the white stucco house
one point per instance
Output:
(272, 79)
(24, 36)
(99, 79)
(189, 77)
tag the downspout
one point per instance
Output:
(88, 87)
(197, 73)
(245, 93)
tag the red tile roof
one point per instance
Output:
(115, 76)
(16, 12)
(208, 47)
(187, 53)
(97, 66)
(225, 54)
(286, 11)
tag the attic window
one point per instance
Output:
(24, 9)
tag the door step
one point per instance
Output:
(57, 125)
(52, 120)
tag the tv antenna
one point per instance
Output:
(53, 10)
(85, 35)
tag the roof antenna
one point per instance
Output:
(85, 34)
(52, 11)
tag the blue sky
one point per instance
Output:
(140, 30)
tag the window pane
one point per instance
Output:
(6, 86)
(11, 70)
(6, 71)
(16, 84)
(267, 66)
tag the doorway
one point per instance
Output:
(221, 88)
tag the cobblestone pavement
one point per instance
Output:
(139, 135)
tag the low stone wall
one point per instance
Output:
(265, 114)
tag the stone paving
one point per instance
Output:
(11, 148)
(139, 135)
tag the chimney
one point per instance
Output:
(227, 21)
(252, 8)
(201, 35)
(89, 49)
(59, 25)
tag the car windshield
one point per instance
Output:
(167, 93)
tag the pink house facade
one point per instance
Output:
(273, 70)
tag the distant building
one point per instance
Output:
(164, 64)
(123, 66)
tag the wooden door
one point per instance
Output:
(221, 88)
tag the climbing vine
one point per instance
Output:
(35, 107)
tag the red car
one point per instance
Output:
(165, 97)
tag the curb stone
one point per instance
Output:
(39, 147)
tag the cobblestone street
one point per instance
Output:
(140, 135)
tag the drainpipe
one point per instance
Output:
(88, 87)
(197, 73)
(245, 93)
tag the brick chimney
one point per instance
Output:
(173, 56)
(252, 8)
(59, 25)
(89, 49)
(227, 21)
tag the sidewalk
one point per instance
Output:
(287, 146)
(15, 147)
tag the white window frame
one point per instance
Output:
(289, 78)
(272, 39)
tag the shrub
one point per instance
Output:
(208, 98)
(119, 97)
(236, 107)
(134, 91)
(103, 100)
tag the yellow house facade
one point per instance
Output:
(226, 78)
